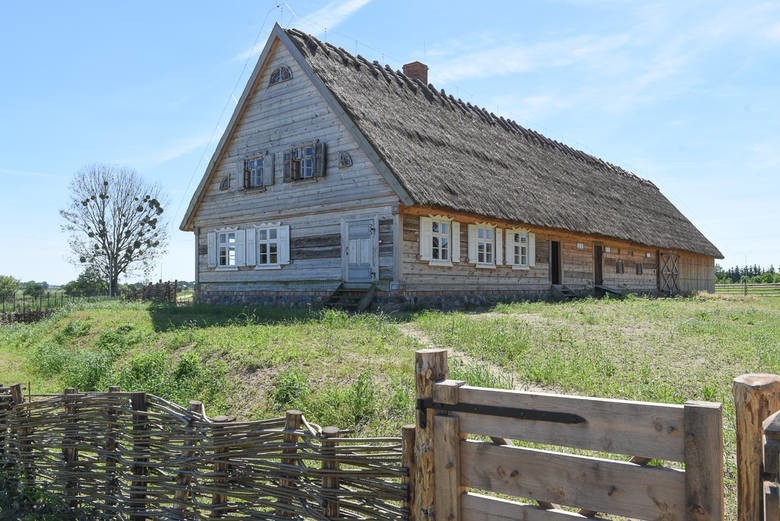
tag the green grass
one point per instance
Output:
(356, 372)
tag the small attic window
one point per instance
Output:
(280, 74)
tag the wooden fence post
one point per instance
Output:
(70, 452)
(219, 498)
(407, 440)
(112, 429)
(140, 456)
(330, 466)
(772, 466)
(293, 422)
(184, 479)
(430, 367)
(703, 450)
(25, 464)
(756, 396)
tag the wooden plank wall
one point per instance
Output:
(578, 264)
(276, 117)
(697, 273)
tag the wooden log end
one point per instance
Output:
(757, 380)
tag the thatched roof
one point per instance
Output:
(453, 155)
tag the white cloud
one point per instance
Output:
(327, 17)
(459, 63)
(22, 173)
(178, 148)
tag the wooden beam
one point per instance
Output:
(447, 461)
(430, 367)
(703, 461)
(600, 485)
(756, 396)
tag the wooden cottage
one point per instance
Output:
(338, 172)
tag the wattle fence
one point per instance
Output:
(135, 456)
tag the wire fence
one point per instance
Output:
(135, 456)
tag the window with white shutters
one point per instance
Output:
(272, 246)
(439, 240)
(520, 248)
(485, 245)
(227, 249)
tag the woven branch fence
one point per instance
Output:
(135, 456)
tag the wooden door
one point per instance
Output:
(668, 273)
(598, 265)
(555, 262)
(361, 251)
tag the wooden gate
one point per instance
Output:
(668, 273)
(467, 473)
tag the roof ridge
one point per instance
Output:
(430, 92)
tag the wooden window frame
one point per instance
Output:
(305, 161)
(262, 239)
(485, 238)
(224, 249)
(620, 266)
(427, 235)
(441, 240)
(280, 75)
(253, 173)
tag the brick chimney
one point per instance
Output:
(418, 71)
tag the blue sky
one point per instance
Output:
(686, 94)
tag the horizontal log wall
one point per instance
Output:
(275, 118)
(418, 277)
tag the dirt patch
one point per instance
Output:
(422, 338)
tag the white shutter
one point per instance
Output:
(499, 246)
(284, 244)
(426, 239)
(211, 241)
(509, 247)
(532, 249)
(473, 243)
(251, 247)
(455, 241)
(240, 248)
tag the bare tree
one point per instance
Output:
(115, 222)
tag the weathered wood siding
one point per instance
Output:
(697, 273)
(276, 117)
(417, 276)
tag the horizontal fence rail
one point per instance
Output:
(482, 459)
(135, 456)
(759, 290)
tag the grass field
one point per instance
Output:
(357, 371)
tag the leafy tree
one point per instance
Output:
(8, 287)
(115, 222)
(34, 289)
(88, 284)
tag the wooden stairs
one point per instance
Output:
(562, 292)
(609, 290)
(352, 298)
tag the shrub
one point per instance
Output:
(291, 389)
(87, 370)
(48, 359)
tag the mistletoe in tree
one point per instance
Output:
(115, 222)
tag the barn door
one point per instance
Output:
(360, 252)
(668, 273)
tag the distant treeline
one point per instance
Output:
(754, 274)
